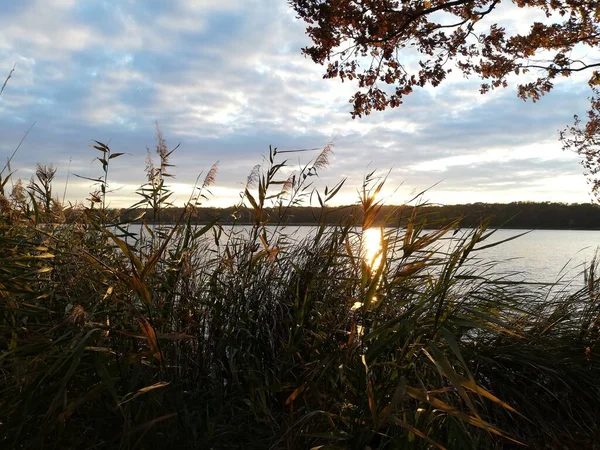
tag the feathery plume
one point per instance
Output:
(150, 173)
(322, 160)
(18, 193)
(253, 176)
(161, 144)
(78, 316)
(211, 176)
(289, 184)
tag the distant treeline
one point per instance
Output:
(512, 215)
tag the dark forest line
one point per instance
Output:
(526, 215)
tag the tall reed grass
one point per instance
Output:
(205, 336)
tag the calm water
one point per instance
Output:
(539, 256)
(545, 255)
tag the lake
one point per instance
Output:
(543, 256)
(538, 256)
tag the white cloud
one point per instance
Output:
(226, 78)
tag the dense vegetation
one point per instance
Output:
(206, 336)
(528, 215)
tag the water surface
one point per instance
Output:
(544, 256)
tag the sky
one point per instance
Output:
(226, 78)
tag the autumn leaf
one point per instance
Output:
(150, 335)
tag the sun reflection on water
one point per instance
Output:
(371, 243)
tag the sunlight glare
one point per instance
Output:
(372, 238)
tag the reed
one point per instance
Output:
(213, 336)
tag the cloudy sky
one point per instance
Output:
(226, 79)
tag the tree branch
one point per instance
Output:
(557, 69)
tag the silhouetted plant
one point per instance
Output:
(217, 336)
